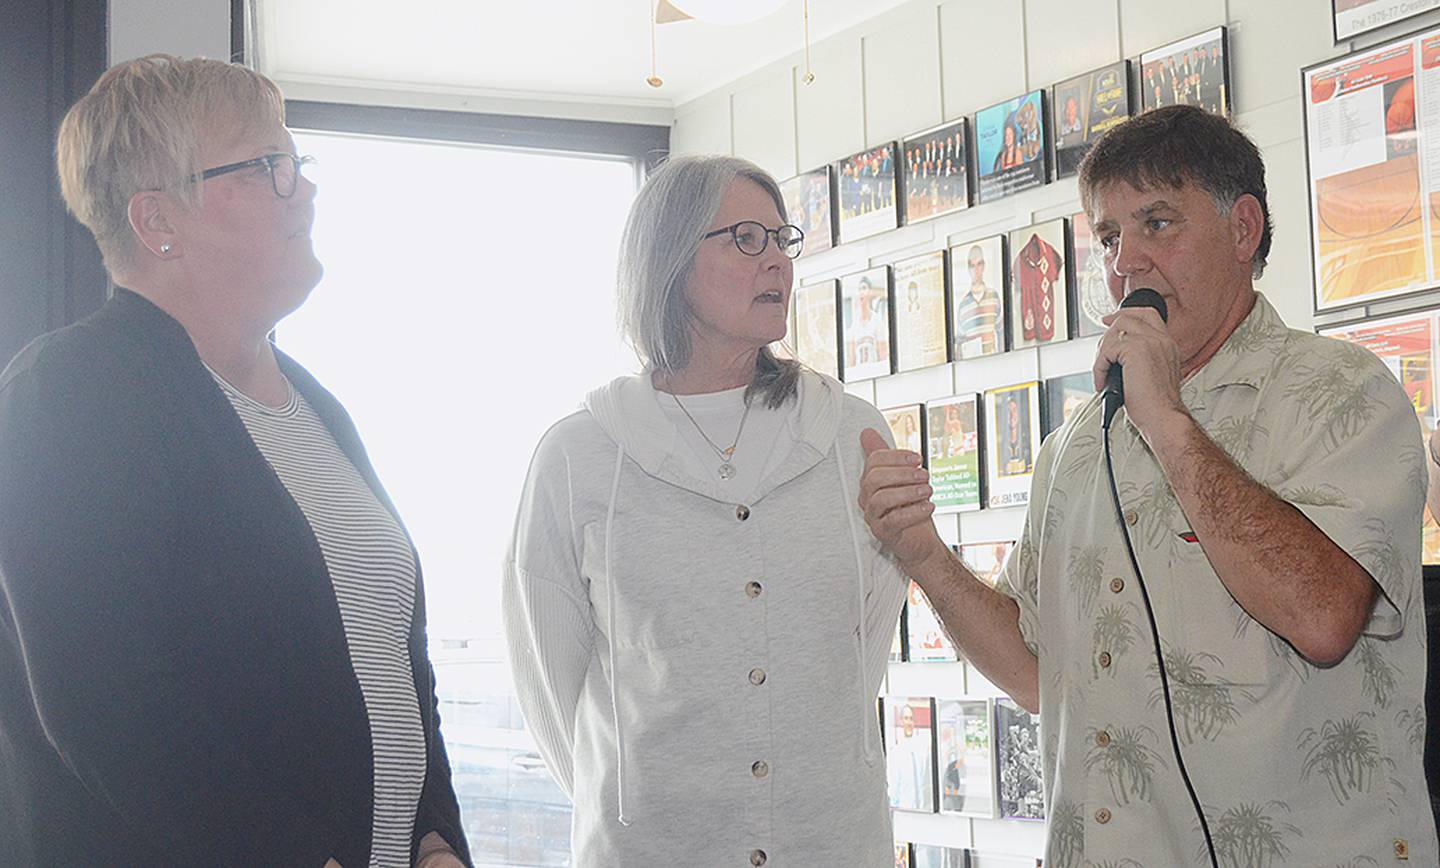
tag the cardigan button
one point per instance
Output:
(760, 768)
(753, 589)
(758, 858)
(742, 512)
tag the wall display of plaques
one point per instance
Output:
(935, 856)
(979, 286)
(1064, 395)
(1010, 154)
(936, 179)
(865, 192)
(1017, 741)
(865, 324)
(1354, 17)
(1012, 423)
(1083, 109)
(1193, 71)
(985, 559)
(953, 453)
(920, 338)
(1369, 118)
(1039, 285)
(967, 757)
(926, 639)
(817, 337)
(1092, 290)
(902, 854)
(907, 425)
(1409, 346)
(910, 752)
(809, 206)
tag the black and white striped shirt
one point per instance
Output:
(373, 573)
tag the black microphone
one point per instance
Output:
(1114, 378)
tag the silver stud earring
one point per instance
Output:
(164, 248)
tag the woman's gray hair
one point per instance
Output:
(657, 254)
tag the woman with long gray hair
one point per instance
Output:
(698, 619)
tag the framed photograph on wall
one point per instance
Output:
(953, 453)
(1010, 147)
(817, 329)
(1063, 396)
(1193, 71)
(907, 425)
(1374, 229)
(1039, 285)
(1083, 109)
(1409, 346)
(1012, 424)
(936, 856)
(985, 559)
(865, 324)
(979, 286)
(920, 307)
(1017, 743)
(1354, 17)
(966, 752)
(910, 752)
(1092, 290)
(808, 204)
(927, 640)
(935, 179)
(902, 854)
(865, 192)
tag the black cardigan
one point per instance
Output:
(175, 684)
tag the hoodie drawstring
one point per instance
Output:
(610, 626)
(868, 725)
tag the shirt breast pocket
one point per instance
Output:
(1216, 646)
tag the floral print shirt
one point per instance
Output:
(1294, 764)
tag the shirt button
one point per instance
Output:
(1102, 816)
(1117, 585)
(1131, 517)
(757, 858)
(742, 512)
(759, 768)
(753, 589)
(1102, 738)
(1104, 659)
(757, 676)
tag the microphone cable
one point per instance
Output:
(1159, 655)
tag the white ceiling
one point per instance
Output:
(582, 52)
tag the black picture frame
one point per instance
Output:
(866, 195)
(935, 172)
(949, 462)
(1017, 745)
(1193, 78)
(994, 259)
(1040, 310)
(810, 204)
(1102, 98)
(862, 357)
(1001, 169)
(926, 789)
(1406, 9)
(919, 314)
(1061, 394)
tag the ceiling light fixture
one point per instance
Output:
(724, 12)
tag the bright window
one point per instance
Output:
(468, 304)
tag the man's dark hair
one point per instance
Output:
(1178, 145)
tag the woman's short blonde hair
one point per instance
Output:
(141, 127)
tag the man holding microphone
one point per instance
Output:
(1261, 527)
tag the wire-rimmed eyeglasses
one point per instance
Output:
(752, 238)
(284, 170)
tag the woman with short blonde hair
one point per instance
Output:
(212, 626)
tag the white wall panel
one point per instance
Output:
(829, 111)
(1067, 37)
(703, 126)
(982, 60)
(1147, 24)
(902, 74)
(1269, 43)
(764, 123)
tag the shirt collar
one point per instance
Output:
(1246, 358)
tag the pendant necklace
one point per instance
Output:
(726, 469)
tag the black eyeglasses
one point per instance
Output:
(284, 170)
(752, 238)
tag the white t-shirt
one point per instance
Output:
(764, 443)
